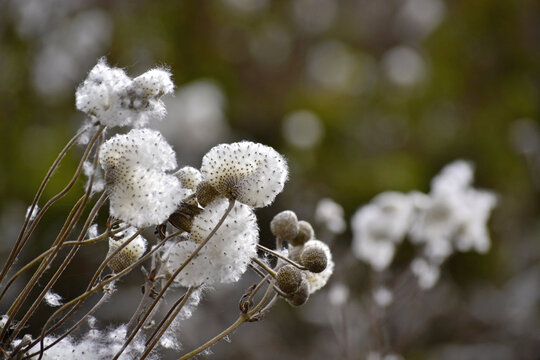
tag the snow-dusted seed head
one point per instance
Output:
(249, 172)
(140, 192)
(314, 258)
(206, 193)
(226, 255)
(318, 280)
(112, 98)
(130, 253)
(289, 278)
(305, 233)
(189, 177)
(285, 225)
(301, 296)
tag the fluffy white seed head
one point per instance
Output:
(130, 253)
(249, 172)
(226, 255)
(112, 98)
(189, 177)
(318, 280)
(140, 192)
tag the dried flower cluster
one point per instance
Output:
(204, 221)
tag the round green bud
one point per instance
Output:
(206, 193)
(285, 225)
(289, 279)
(314, 259)
(301, 295)
(305, 233)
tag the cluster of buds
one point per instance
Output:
(308, 264)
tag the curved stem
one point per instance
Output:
(166, 322)
(65, 233)
(264, 266)
(241, 319)
(278, 255)
(19, 243)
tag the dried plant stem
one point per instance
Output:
(166, 322)
(26, 267)
(173, 276)
(58, 243)
(278, 255)
(91, 290)
(20, 242)
(241, 319)
(23, 295)
(264, 266)
(43, 348)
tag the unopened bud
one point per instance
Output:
(301, 295)
(128, 255)
(206, 193)
(285, 225)
(305, 233)
(314, 259)
(289, 279)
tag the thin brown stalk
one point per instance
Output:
(18, 244)
(166, 322)
(173, 276)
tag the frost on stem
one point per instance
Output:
(130, 253)
(112, 98)
(226, 255)
(245, 171)
(141, 193)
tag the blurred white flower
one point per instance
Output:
(302, 129)
(338, 295)
(331, 215)
(335, 67)
(427, 274)
(455, 215)
(378, 226)
(383, 296)
(404, 66)
(196, 117)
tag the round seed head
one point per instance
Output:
(289, 279)
(301, 295)
(285, 225)
(314, 259)
(206, 193)
(129, 254)
(305, 233)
